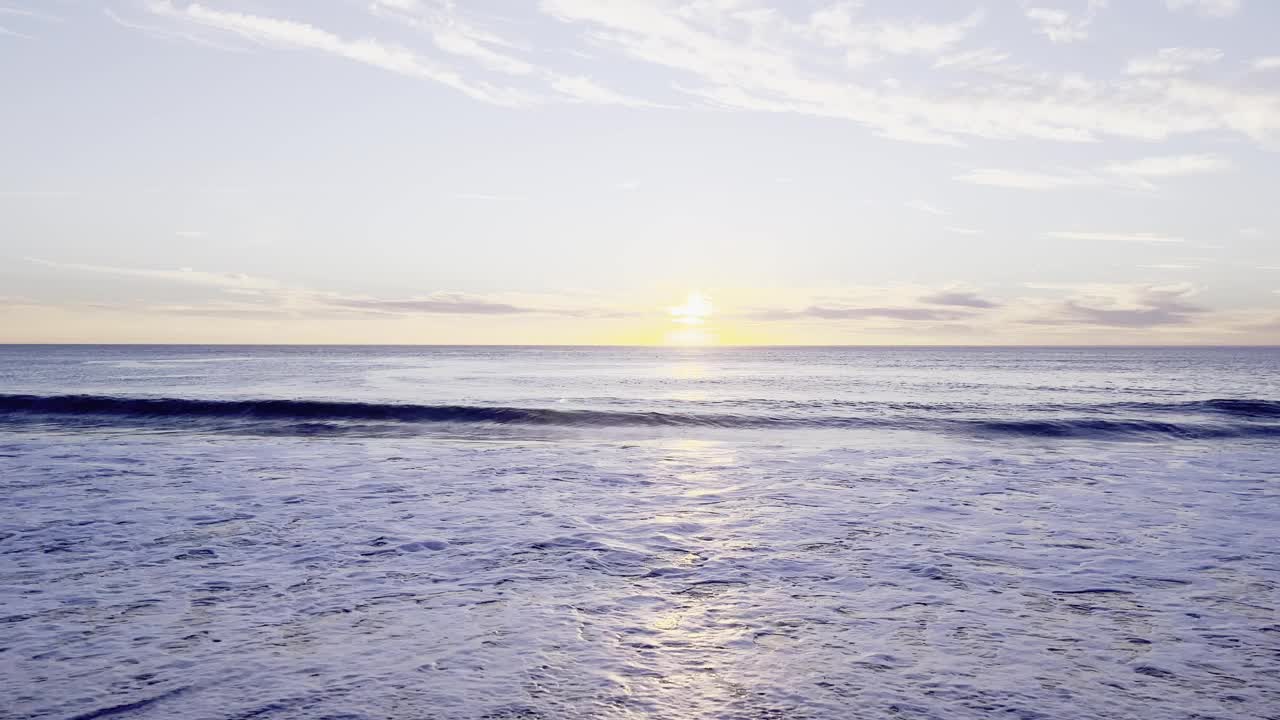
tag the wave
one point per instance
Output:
(1241, 408)
(339, 410)
(1198, 419)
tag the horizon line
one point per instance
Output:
(638, 346)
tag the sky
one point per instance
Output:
(809, 172)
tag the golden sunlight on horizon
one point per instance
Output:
(695, 310)
(693, 314)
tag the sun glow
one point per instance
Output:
(693, 315)
(695, 310)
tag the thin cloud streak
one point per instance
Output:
(1171, 166)
(24, 13)
(582, 89)
(960, 298)
(443, 304)
(1149, 238)
(1132, 175)
(160, 33)
(298, 35)
(179, 275)
(839, 312)
(1206, 8)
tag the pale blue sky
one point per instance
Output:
(564, 171)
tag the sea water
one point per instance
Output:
(490, 532)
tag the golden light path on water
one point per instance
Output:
(697, 628)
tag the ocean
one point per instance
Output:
(516, 532)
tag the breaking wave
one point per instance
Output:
(1201, 419)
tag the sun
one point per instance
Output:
(695, 310)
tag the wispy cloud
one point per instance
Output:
(464, 50)
(839, 27)
(959, 298)
(1173, 61)
(1061, 26)
(724, 48)
(27, 13)
(452, 34)
(579, 88)
(846, 312)
(401, 5)
(459, 303)
(1271, 62)
(161, 33)
(256, 296)
(178, 275)
(749, 56)
(437, 304)
(964, 231)
(21, 15)
(1133, 174)
(299, 35)
(233, 311)
(1206, 8)
(1170, 166)
(878, 306)
(1126, 307)
(1148, 238)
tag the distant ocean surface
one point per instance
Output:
(502, 532)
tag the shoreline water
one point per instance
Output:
(152, 566)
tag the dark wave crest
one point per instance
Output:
(303, 410)
(1217, 418)
(1244, 408)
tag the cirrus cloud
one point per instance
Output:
(753, 56)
